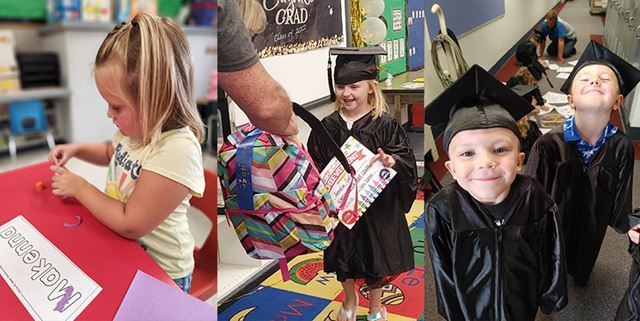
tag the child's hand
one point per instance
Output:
(61, 154)
(634, 234)
(66, 183)
(386, 159)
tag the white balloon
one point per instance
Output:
(372, 8)
(373, 30)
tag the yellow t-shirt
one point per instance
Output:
(177, 155)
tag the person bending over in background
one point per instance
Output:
(562, 35)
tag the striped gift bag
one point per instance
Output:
(273, 193)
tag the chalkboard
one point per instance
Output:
(463, 16)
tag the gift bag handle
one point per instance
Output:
(301, 112)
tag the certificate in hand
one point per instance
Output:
(371, 179)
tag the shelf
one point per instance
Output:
(32, 94)
(105, 27)
(235, 268)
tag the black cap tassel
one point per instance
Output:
(330, 79)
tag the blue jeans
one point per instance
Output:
(184, 283)
(569, 44)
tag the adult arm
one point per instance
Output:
(540, 47)
(560, 50)
(262, 98)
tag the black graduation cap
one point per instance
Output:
(524, 91)
(476, 100)
(537, 70)
(595, 53)
(353, 64)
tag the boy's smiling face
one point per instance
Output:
(595, 88)
(485, 162)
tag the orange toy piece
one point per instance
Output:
(40, 186)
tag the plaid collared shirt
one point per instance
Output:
(587, 150)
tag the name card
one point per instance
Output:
(48, 284)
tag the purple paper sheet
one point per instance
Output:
(151, 299)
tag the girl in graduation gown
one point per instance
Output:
(378, 247)
(591, 182)
(493, 235)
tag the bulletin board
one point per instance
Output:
(29, 10)
(394, 16)
(415, 34)
(463, 16)
(36, 10)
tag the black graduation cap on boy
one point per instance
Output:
(475, 101)
(353, 64)
(595, 53)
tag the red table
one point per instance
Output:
(107, 258)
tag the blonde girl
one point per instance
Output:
(143, 70)
(378, 247)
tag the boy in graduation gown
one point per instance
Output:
(587, 164)
(493, 235)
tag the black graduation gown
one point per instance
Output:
(379, 244)
(629, 308)
(500, 262)
(532, 135)
(588, 198)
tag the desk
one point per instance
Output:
(400, 95)
(107, 258)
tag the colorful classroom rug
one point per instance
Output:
(312, 295)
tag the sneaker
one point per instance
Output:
(346, 314)
(380, 316)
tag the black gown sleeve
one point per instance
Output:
(399, 147)
(622, 199)
(553, 285)
(439, 240)
(320, 153)
(539, 166)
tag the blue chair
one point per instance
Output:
(27, 117)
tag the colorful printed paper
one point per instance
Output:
(371, 179)
(48, 284)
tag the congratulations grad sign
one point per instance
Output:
(299, 25)
(48, 284)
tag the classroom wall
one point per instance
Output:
(303, 75)
(487, 44)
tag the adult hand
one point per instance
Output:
(634, 234)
